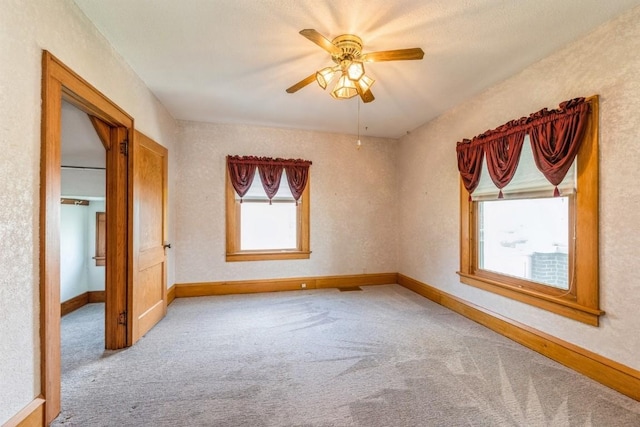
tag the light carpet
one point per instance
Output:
(381, 357)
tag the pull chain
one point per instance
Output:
(358, 143)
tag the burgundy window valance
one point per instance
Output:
(555, 137)
(242, 170)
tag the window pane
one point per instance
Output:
(526, 238)
(265, 226)
(527, 180)
(256, 191)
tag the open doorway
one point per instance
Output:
(135, 222)
(82, 243)
(115, 129)
(82, 212)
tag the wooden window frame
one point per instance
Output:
(101, 239)
(581, 302)
(234, 253)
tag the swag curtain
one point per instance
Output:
(270, 171)
(555, 137)
(270, 175)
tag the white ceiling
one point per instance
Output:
(81, 146)
(230, 61)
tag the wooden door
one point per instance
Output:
(148, 299)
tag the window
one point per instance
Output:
(526, 239)
(532, 247)
(101, 239)
(259, 228)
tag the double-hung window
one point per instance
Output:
(533, 243)
(267, 227)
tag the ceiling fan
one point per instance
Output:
(346, 52)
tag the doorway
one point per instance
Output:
(82, 228)
(115, 129)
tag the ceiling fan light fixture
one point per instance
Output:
(346, 53)
(355, 71)
(324, 76)
(365, 83)
(345, 88)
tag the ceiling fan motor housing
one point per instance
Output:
(350, 45)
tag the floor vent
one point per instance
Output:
(350, 288)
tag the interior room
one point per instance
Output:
(397, 267)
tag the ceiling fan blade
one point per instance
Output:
(302, 83)
(321, 41)
(393, 55)
(366, 96)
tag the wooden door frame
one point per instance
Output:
(58, 83)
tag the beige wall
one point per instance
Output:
(353, 202)
(605, 63)
(385, 208)
(27, 27)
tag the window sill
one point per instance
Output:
(267, 255)
(554, 304)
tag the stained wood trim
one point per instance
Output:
(103, 130)
(581, 303)
(171, 294)
(96, 296)
(31, 415)
(553, 304)
(267, 256)
(74, 303)
(608, 372)
(81, 300)
(273, 285)
(117, 334)
(101, 239)
(60, 82)
(75, 202)
(50, 238)
(232, 218)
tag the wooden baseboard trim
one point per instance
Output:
(76, 302)
(31, 415)
(96, 296)
(612, 374)
(183, 290)
(171, 294)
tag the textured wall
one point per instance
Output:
(353, 202)
(27, 27)
(605, 63)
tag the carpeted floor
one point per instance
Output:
(381, 357)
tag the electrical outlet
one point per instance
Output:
(303, 285)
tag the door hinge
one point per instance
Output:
(124, 147)
(122, 318)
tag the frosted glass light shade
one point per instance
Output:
(324, 76)
(345, 88)
(355, 71)
(365, 83)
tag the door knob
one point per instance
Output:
(166, 245)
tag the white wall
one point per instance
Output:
(353, 202)
(27, 27)
(78, 270)
(73, 249)
(606, 63)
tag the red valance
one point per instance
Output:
(555, 137)
(270, 171)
